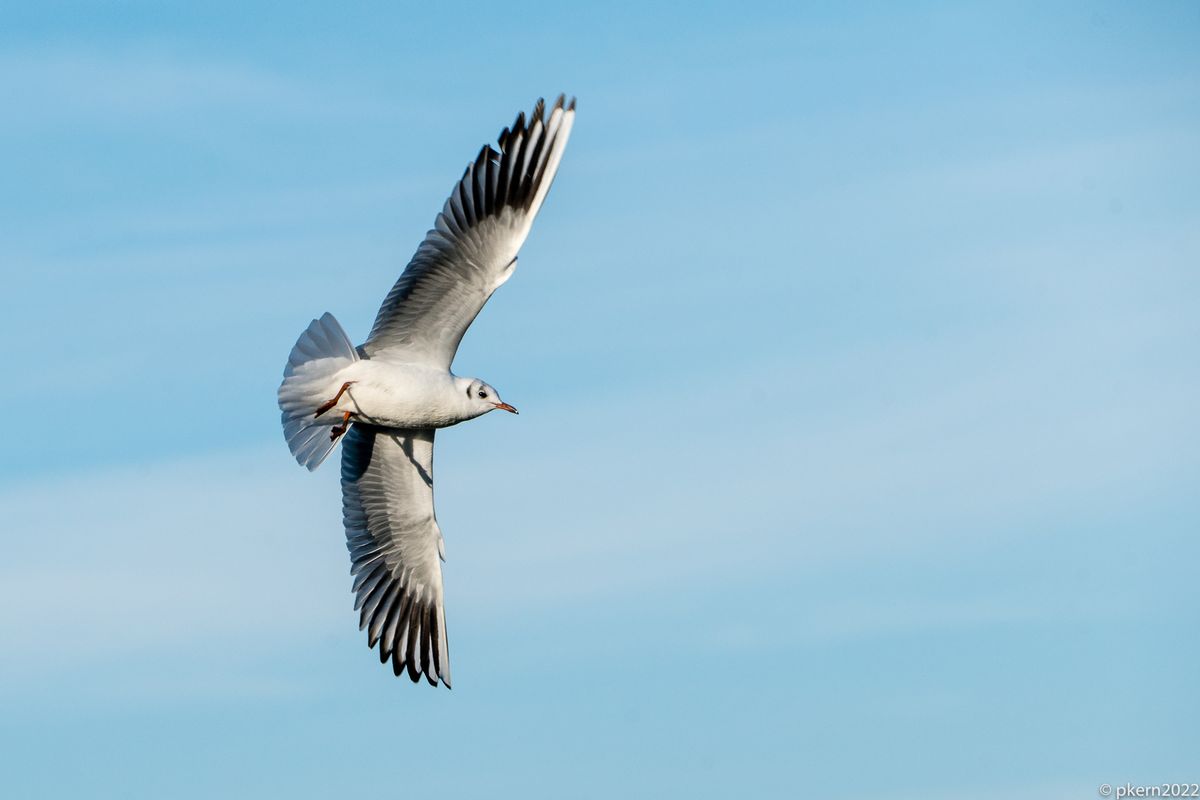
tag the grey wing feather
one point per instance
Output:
(473, 246)
(396, 547)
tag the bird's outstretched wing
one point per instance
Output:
(395, 547)
(473, 246)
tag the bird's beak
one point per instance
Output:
(506, 407)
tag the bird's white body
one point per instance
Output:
(399, 395)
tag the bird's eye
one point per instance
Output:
(482, 394)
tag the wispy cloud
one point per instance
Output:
(241, 546)
(54, 83)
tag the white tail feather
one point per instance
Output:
(320, 353)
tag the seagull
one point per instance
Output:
(385, 398)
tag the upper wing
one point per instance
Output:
(395, 546)
(473, 246)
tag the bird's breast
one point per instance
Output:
(401, 395)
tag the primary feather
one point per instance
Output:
(473, 245)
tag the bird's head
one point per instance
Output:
(483, 397)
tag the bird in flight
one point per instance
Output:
(385, 398)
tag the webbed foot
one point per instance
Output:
(338, 430)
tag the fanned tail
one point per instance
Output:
(322, 351)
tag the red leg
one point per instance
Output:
(325, 407)
(338, 430)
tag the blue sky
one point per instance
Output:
(855, 350)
